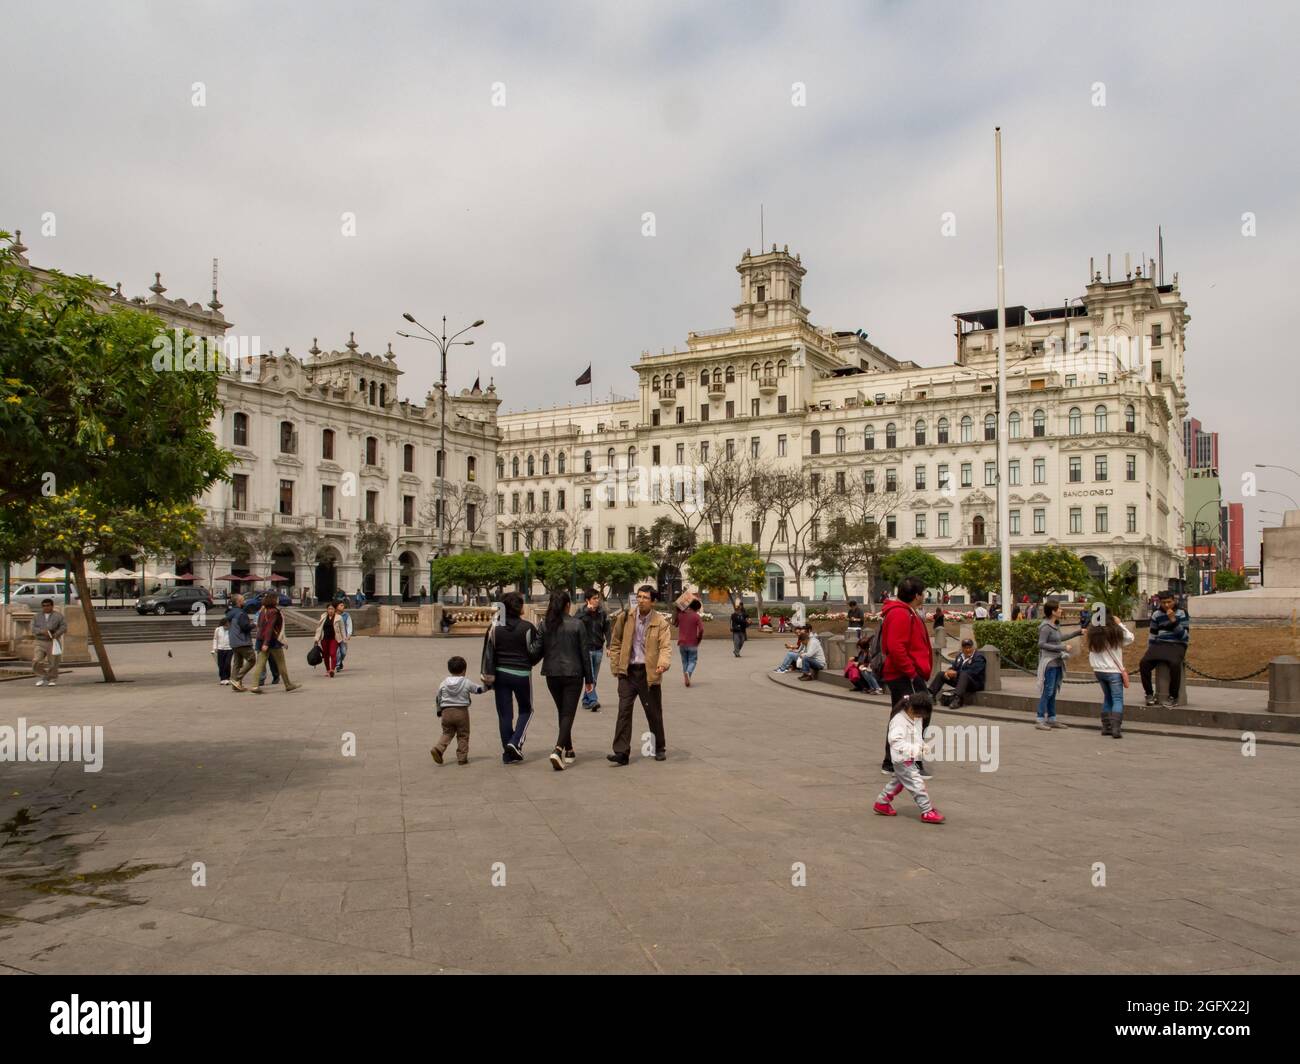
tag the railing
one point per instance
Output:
(287, 520)
(717, 391)
(668, 395)
(714, 332)
(247, 517)
(404, 618)
(767, 385)
(330, 523)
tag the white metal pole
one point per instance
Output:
(1004, 501)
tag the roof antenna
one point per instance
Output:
(1160, 245)
(762, 233)
(215, 305)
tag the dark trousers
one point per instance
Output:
(507, 690)
(223, 664)
(962, 684)
(1170, 654)
(897, 689)
(636, 684)
(565, 690)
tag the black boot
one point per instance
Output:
(1105, 723)
(1116, 719)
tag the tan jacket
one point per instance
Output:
(340, 629)
(658, 644)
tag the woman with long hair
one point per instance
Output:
(566, 664)
(328, 637)
(510, 650)
(1106, 643)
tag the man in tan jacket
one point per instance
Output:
(640, 651)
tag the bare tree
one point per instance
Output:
(805, 503)
(459, 502)
(728, 480)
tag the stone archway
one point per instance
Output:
(326, 577)
(282, 564)
(409, 566)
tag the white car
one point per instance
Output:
(32, 594)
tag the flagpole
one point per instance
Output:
(1004, 500)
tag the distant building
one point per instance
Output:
(1200, 448)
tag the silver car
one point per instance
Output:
(32, 594)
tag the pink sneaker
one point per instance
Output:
(932, 817)
(885, 809)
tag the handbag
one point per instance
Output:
(314, 656)
(852, 673)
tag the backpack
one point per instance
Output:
(875, 653)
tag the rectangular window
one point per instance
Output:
(546, 539)
(1130, 467)
(437, 513)
(780, 531)
(286, 497)
(990, 474)
(717, 531)
(408, 510)
(327, 500)
(943, 526)
(1157, 331)
(869, 480)
(530, 502)
(654, 418)
(891, 527)
(920, 526)
(967, 475)
(729, 448)
(546, 501)
(1157, 370)
(471, 517)
(753, 408)
(753, 532)
(920, 478)
(839, 483)
(1076, 470)
(731, 409)
(1103, 378)
(891, 479)
(1100, 467)
(514, 502)
(1013, 526)
(631, 536)
(501, 502)
(1076, 520)
(372, 506)
(1040, 522)
(943, 476)
(1131, 519)
(704, 411)
(1013, 472)
(514, 541)
(1040, 470)
(753, 446)
(288, 440)
(1071, 380)
(327, 445)
(559, 499)
(501, 542)
(609, 538)
(780, 446)
(1101, 519)
(681, 415)
(240, 492)
(704, 450)
(780, 404)
(816, 531)
(586, 539)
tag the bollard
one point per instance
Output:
(1160, 681)
(837, 649)
(940, 660)
(1284, 684)
(992, 668)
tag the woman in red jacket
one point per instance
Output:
(909, 660)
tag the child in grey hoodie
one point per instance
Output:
(453, 707)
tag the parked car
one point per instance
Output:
(31, 594)
(174, 600)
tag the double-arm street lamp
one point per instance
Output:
(443, 342)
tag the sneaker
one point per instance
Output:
(886, 770)
(436, 755)
(557, 759)
(1170, 703)
(1054, 723)
(52, 683)
(570, 757)
(780, 668)
(1151, 700)
(923, 772)
(1042, 725)
(291, 687)
(235, 685)
(513, 752)
(884, 809)
(41, 683)
(932, 817)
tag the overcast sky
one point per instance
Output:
(530, 215)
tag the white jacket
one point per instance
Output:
(1112, 658)
(813, 651)
(221, 638)
(906, 738)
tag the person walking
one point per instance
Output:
(260, 679)
(1106, 643)
(690, 630)
(566, 664)
(221, 650)
(48, 629)
(853, 626)
(595, 622)
(907, 726)
(965, 673)
(270, 629)
(739, 626)
(640, 652)
(452, 700)
(908, 657)
(1166, 645)
(1052, 655)
(342, 631)
(327, 638)
(239, 629)
(510, 650)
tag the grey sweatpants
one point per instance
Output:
(909, 776)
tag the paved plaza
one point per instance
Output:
(314, 861)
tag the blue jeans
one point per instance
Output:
(1112, 692)
(866, 681)
(690, 655)
(790, 657)
(591, 699)
(1051, 684)
(342, 653)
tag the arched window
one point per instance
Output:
(920, 431)
(546, 464)
(977, 532)
(373, 393)
(869, 438)
(531, 464)
(840, 438)
(610, 461)
(1130, 419)
(681, 380)
(731, 374)
(816, 441)
(967, 428)
(717, 375)
(631, 458)
(326, 443)
(704, 377)
(408, 458)
(586, 461)
(942, 429)
(559, 463)
(654, 384)
(240, 426)
(780, 368)
(753, 372)
(1040, 423)
(514, 466)
(1076, 421)
(1099, 419)
(990, 427)
(288, 440)
(891, 436)
(383, 395)
(1013, 425)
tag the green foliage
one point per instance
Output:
(1116, 595)
(478, 571)
(852, 548)
(980, 571)
(914, 561)
(1227, 580)
(1039, 573)
(614, 572)
(727, 567)
(667, 541)
(1017, 641)
(373, 543)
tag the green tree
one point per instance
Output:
(1038, 573)
(733, 568)
(667, 541)
(1227, 580)
(611, 572)
(980, 571)
(915, 561)
(373, 544)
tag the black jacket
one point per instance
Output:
(564, 651)
(513, 645)
(975, 667)
(739, 621)
(596, 627)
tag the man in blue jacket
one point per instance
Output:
(965, 673)
(1167, 645)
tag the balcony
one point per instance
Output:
(717, 390)
(667, 396)
(767, 385)
(288, 520)
(330, 525)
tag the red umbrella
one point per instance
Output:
(277, 578)
(184, 576)
(239, 576)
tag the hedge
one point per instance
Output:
(1016, 641)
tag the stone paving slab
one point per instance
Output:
(751, 849)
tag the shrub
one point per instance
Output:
(1016, 641)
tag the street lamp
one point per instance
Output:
(1195, 556)
(573, 571)
(1270, 491)
(389, 559)
(1264, 465)
(443, 342)
(526, 582)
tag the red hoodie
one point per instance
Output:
(905, 642)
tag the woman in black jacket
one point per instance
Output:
(510, 651)
(566, 664)
(739, 622)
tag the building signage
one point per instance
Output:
(1087, 491)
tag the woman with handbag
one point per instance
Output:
(1106, 643)
(327, 637)
(510, 650)
(858, 672)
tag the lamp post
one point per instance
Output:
(527, 584)
(443, 342)
(1270, 491)
(1004, 498)
(1265, 465)
(1196, 557)
(573, 573)
(389, 559)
